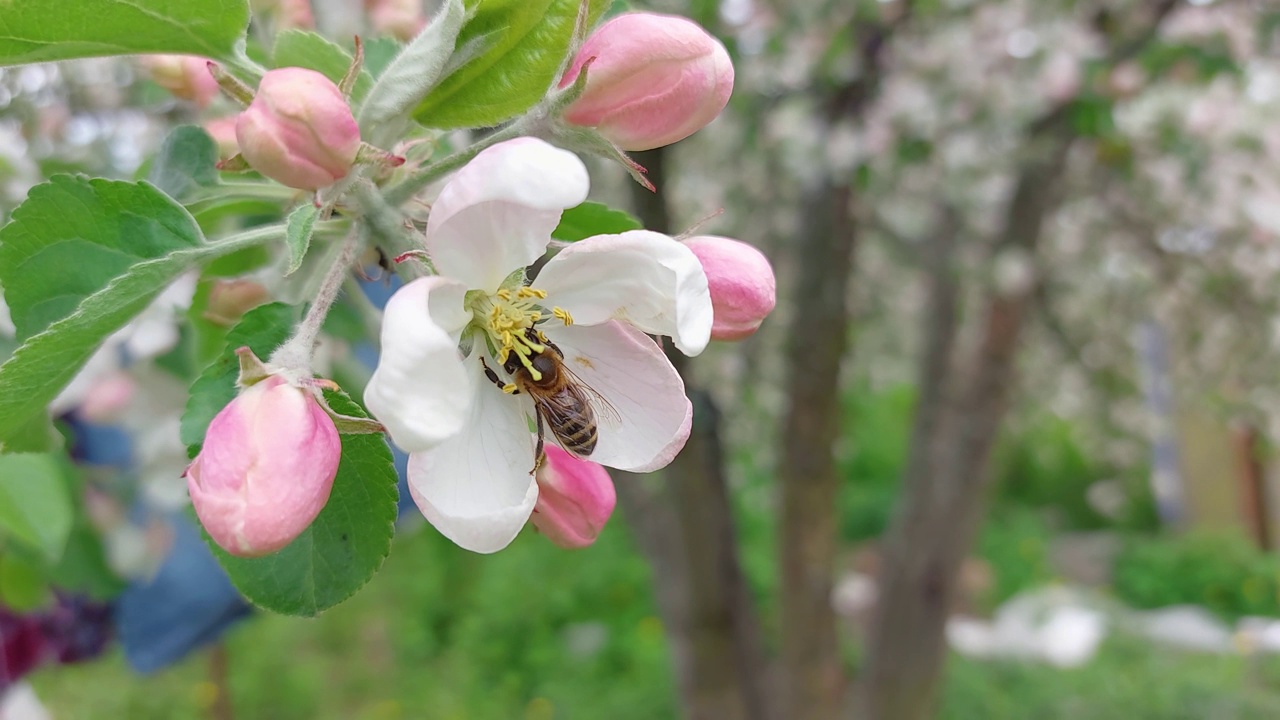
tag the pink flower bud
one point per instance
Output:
(223, 132)
(575, 499)
(108, 398)
(299, 130)
(741, 281)
(296, 14)
(401, 19)
(288, 13)
(654, 79)
(266, 468)
(230, 299)
(186, 76)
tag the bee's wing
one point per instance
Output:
(556, 412)
(606, 413)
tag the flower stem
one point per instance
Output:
(410, 186)
(295, 353)
(239, 241)
(384, 220)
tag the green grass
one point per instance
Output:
(533, 632)
(537, 633)
(1127, 680)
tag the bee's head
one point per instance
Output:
(545, 364)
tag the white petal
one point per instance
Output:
(649, 416)
(420, 390)
(497, 213)
(644, 278)
(476, 487)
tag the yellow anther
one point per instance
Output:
(509, 388)
(505, 294)
(528, 292)
(542, 336)
(563, 315)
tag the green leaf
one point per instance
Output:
(262, 329)
(83, 567)
(304, 49)
(66, 241)
(526, 42)
(37, 436)
(238, 262)
(230, 210)
(73, 235)
(593, 218)
(185, 163)
(36, 31)
(411, 75)
(378, 54)
(1092, 116)
(35, 508)
(302, 222)
(23, 585)
(343, 547)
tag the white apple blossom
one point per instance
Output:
(471, 445)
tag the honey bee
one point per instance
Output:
(564, 404)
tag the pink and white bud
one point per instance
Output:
(653, 79)
(299, 130)
(295, 14)
(266, 468)
(401, 19)
(741, 281)
(108, 397)
(186, 76)
(223, 132)
(575, 499)
(287, 13)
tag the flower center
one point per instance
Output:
(510, 319)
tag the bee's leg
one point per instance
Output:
(493, 377)
(538, 454)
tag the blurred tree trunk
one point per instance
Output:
(964, 397)
(812, 678)
(945, 482)
(686, 529)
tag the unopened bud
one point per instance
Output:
(295, 14)
(741, 281)
(266, 468)
(575, 499)
(653, 79)
(299, 130)
(223, 132)
(287, 13)
(186, 76)
(401, 19)
(230, 299)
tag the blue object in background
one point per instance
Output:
(99, 444)
(189, 603)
